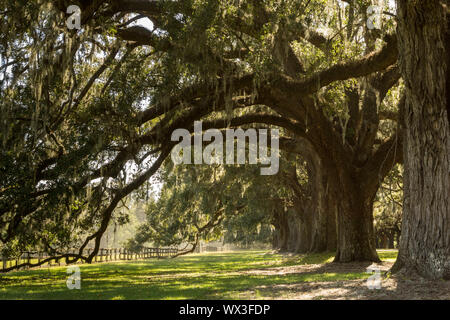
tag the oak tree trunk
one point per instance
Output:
(355, 232)
(323, 236)
(425, 237)
(281, 235)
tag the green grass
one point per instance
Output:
(199, 276)
(389, 255)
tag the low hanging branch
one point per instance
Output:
(210, 225)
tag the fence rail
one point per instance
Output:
(103, 255)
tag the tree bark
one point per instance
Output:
(355, 233)
(281, 235)
(317, 210)
(324, 225)
(425, 236)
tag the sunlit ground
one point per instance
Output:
(230, 275)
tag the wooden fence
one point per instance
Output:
(103, 255)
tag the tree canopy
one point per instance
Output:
(87, 118)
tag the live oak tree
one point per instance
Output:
(201, 203)
(84, 107)
(206, 202)
(424, 46)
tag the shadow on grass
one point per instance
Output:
(206, 276)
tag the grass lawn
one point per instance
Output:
(229, 275)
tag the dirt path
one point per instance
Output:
(392, 288)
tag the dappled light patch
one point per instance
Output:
(231, 275)
(227, 275)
